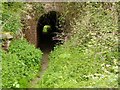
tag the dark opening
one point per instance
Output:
(45, 39)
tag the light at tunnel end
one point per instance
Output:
(46, 28)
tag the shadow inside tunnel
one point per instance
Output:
(45, 39)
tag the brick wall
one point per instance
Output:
(31, 31)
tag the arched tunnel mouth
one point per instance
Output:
(47, 28)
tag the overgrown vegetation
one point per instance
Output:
(20, 65)
(11, 16)
(22, 62)
(72, 67)
(90, 57)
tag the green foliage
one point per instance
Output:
(20, 64)
(90, 57)
(26, 52)
(11, 16)
(11, 70)
(72, 67)
(46, 28)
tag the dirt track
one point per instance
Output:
(46, 49)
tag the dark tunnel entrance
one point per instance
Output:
(47, 27)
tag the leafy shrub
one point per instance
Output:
(11, 70)
(11, 16)
(26, 52)
(20, 64)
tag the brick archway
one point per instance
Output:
(31, 29)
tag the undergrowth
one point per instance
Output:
(72, 67)
(11, 16)
(90, 57)
(20, 65)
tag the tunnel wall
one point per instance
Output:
(31, 32)
(32, 20)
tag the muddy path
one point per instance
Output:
(44, 66)
(46, 48)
